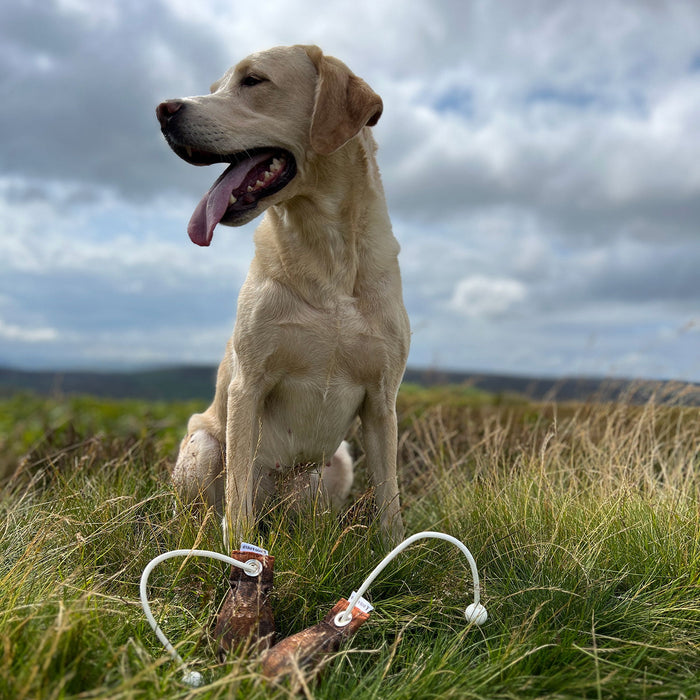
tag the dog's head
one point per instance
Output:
(268, 117)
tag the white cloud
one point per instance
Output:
(483, 297)
(11, 332)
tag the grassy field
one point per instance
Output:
(584, 521)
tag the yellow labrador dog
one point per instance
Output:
(321, 333)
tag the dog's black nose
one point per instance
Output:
(165, 110)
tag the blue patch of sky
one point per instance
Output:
(695, 63)
(628, 100)
(459, 99)
(569, 98)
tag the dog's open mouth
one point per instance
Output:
(252, 175)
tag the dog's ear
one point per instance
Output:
(344, 104)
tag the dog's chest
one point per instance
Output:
(304, 421)
(328, 348)
(319, 358)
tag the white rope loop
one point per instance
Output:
(475, 612)
(252, 568)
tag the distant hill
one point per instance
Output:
(186, 383)
(566, 388)
(169, 384)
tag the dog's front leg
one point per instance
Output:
(379, 431)
(242, 429)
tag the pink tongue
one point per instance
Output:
(213, 205)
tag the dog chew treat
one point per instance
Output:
(246, 615)
(306, 649)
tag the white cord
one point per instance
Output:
(475, 612)
(251, 567)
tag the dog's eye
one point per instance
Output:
(251, 80)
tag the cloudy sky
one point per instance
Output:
(541, 160)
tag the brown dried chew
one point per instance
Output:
(246, 616)
(308, 647)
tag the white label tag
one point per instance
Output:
(245, 547)
(364, 605)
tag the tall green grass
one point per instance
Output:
(584, 521)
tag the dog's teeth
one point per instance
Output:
(189, 151)
(250, 188)
(259, 183)
(232, 200)
(276, 165)
(268, 176)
